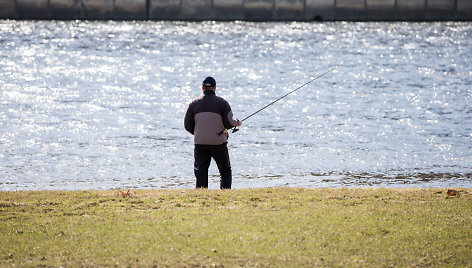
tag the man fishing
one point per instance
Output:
(206, 117)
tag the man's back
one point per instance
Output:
(207, 116)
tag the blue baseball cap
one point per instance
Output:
(209, 82)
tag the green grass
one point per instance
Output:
(281, 227)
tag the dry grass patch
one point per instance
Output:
(251, 227)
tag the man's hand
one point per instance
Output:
(239, 123)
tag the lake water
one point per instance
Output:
(100, 105)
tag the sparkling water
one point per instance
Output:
(100, 105)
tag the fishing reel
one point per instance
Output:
(226, 132)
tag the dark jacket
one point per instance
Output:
(207, 116)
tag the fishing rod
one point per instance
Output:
(247, 117)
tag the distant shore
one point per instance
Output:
(249, 227)
(255, 10)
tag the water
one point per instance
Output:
(100, 105)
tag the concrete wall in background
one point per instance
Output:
(7, 9)
(65, 9)
(253, 10)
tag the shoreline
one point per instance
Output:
(116, 190)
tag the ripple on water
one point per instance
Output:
(100, 104)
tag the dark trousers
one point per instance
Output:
(203, 155)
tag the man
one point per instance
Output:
(207, 118)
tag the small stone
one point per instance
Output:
(213, 250)
(19, 231)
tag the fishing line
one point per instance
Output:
(235, 129)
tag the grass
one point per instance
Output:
(280, 227)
